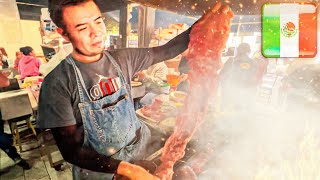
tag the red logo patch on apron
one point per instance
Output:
(105, 87)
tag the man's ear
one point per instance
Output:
(63, 34)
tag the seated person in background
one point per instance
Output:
(6, 141)
(4, 58)
(153, 78)
(29, 65)
(19, 56)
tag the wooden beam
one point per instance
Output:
(197, 7)
(146, 24)
(123, 25)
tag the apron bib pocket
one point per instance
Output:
(110, 121)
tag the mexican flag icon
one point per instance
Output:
(289, 30)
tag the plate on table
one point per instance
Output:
(164, 126)
(177, 96)
(139, 113)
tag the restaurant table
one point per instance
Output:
(16, 106)
(14, 103)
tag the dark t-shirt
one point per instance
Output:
(59, 95)
(59, 88)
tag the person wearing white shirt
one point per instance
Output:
(153, 78)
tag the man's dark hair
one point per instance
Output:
(56, 8)
(26, 50)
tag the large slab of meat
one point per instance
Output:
(207, 40)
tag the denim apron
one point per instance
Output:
(110, 124)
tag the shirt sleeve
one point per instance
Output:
(183, 65)
(139, 59)
(70, 142)
(55, 104)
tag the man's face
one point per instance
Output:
(19, 55)
(85, 28)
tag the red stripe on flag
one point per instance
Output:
(308, 34)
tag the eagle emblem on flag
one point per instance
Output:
(289, 29)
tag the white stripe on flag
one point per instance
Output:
(289, 46)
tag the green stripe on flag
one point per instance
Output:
(271, 30)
